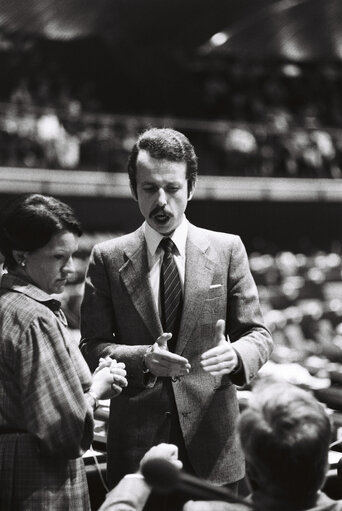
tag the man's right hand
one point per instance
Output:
(161, 362)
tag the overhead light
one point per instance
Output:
(291, 70)
(219, 38)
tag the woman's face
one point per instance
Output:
(50, 266)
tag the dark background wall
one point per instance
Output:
(265, 226)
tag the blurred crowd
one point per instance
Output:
(301, 297)
(253, 119)
(70, 139)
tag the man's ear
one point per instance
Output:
(191, 188)
(20, 257)
(133, 192)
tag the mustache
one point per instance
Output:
(157, 210)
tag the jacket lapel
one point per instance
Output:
(199, 270)
(134, 273)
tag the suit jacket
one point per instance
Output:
(119, 318)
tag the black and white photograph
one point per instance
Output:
(171, 255)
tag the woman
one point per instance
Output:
(47, 394)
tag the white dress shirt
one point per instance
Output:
(155, 255)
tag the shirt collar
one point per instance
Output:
(153, 238)
(21, 285)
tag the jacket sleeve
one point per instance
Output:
(245, 327)
(98, 324)
(130, 494)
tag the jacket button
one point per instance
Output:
(168, 414)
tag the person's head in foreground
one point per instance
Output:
(38, 237)
(285, 434)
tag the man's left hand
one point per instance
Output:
(223, 358)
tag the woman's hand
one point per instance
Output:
(109, 378)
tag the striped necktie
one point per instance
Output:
(170, 290)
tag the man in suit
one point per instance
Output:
(181, 372)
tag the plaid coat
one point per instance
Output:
(45, 421)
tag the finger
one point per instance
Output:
(220, 328)
(118, 367)
(116, 388)
(177, 373)
(162, 340)
(118, 370)
(218, 354)
(225, 364)
(102, 363)
(173, 450)
(175, 366)
(118, 380)
(172, 357)
(221, 372)
(106, 362)
(218, 351)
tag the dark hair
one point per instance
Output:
(164, 144)
(30, 221)
(285, 434)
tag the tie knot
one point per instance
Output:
(167, 245)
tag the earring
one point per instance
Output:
(23, 263)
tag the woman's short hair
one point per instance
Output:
(164, 144)
(30, 221)
(285, 434)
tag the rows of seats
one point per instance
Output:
(71, 139)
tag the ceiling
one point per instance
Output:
(150, 55)
(295, 29)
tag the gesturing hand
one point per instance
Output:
(161, 362)
(223, 358)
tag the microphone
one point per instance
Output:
(165, 478)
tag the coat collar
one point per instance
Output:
(199, 269)
(134, 273)
(19, 284)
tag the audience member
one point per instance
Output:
(285, 434)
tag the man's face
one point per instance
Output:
(162, 192)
